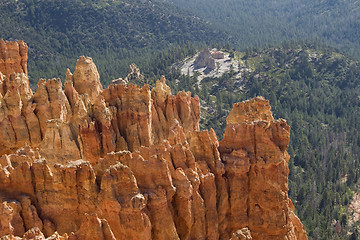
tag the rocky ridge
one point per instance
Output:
(126, 162)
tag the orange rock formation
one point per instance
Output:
(127, 162)
(13, 57)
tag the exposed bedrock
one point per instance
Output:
(130, 162)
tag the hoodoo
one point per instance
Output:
(13, 57)
(129, 162)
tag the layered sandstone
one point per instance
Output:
(130, 162)
(254, 154)
(13, 57)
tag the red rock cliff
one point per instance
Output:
(13, 57)
(127, 162)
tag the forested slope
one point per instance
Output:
(259, 22)
(114, 33)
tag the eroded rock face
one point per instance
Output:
(86, 78)
(254, 155)
(13, 57)
(127, 162)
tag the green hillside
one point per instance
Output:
(259, 22)
(118, 32)
(114, 33)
